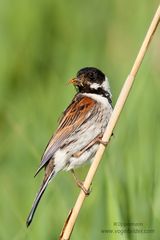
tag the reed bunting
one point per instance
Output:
(80, 129)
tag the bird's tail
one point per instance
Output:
(38, 198)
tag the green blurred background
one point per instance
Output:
(42, 45)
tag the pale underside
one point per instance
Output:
(63, 157)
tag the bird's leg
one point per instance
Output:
(99, 140)
(80, 184)
(96, 140)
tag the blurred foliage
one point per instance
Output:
(42, 45)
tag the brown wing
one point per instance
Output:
(75, 115)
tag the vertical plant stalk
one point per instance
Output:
(70, 222)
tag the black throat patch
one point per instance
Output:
(98, 91)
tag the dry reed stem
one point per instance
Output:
(69, 224)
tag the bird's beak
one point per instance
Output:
(75, 81)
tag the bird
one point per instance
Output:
(80, 129)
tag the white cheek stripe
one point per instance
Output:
(105, 85)
(95, 86)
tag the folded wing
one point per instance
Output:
(80, 110)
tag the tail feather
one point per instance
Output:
(38, 198)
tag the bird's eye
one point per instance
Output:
(91, 75)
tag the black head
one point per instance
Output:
(91, 75)
(91, 80)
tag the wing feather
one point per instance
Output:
(74, 116)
